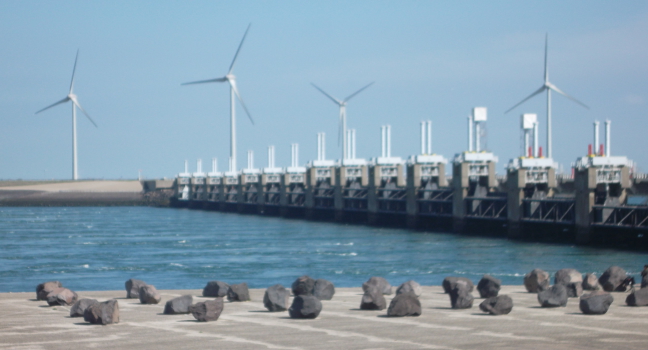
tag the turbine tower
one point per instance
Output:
(75, 103)
(547, 86)
(231, 79)
(342, 129)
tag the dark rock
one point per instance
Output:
(488, 286)
(323, 289)
(644, 281)
(554, 296)
(536, 281)
(373, 299)
(461, 296)
(305, 306)
(574, 289)
(149, 295)
(276, 298)
(612, 278)
(79, 308)
(405, 304)
(102, 313)
(132, 288)
(207, 310)
(595, 303)
(179, 305)
(410, 286)
(303, 286)
(216, 289)
(378, 282)
(61, 296)
(45, 288)
(590, 282)
(639, 297)
(449, 282)
(499, 305)
(566, 276)
(238, 292)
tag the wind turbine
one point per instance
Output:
(231, 79)
(75, 103)
(342, 123)
(548, 87)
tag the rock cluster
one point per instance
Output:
(488, 286)
(554, 296)
(79, 308)
(320, 288)
(404, 304)
(276, 298)
(612, 279)
(380, 283)
(207, 311)
(179, 305)
(149, 295)
(102, 313)
(536, 281)
(45, 288)
(216, 289)
(238, 292)
(499, 305)
(410, 286)
(373, 299)
(449, 283)
(305, 306)
(595, 303)
(572, 280)
(61, 296)
(132, 288)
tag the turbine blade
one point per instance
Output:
(546, 75)
(239, 49)
(74, 71)
(357, 92)
(556, 89)
(338, 102)
(233, 85)
(216, 80)
(541, 89)
(54, 104)
(84, 112)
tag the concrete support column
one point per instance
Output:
(584, 186)
(460, 186)
(515, 184)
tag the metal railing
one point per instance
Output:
(627, 216)
(486, 207)
(548, 210)
(435, 202)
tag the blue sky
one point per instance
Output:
(430, 60)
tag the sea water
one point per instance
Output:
(99, 248)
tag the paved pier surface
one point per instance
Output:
(29, 324)
(77, 186)
(73, 193)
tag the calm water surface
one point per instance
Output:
(95, 248)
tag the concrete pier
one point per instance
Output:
(29, 324)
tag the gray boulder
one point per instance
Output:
(305, 306)
(595, 303)
(207, 311)
(572, 280)
(216, 289)
(323, 289)
(149, 295)
(378, 282)
(61, 296)
(79, 308)
(639, 297)
(303, 286)
(179, 305)
(373, 299)
(499, 305)
(612, 278)
(238, 292)
(410, 286)
(554, 296)
(405, 304)
(276, 298)
(461, 296)
(102, 313)
(45, 288)
(590, 282)
(536, 281)
(132, 288)
(450, 282)
(489, 286)
(644, 281)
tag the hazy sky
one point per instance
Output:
(430, 60)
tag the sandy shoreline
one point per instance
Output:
(32, 324)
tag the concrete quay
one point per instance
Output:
(30, 324)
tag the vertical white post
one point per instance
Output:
(296, 161)
(250, 159)
(536, 140)
(525, 150)
(388, 141)
(477, 140)
(231, 165)
(348, 142)
(214, 165)
(353, 140)
(470, 133)
(429, 137)
(323, 146)
(186, 166)
(319, 146)
(423, 137)
(596, 137)
(383, 141)
(608, 124)
(199, 166)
